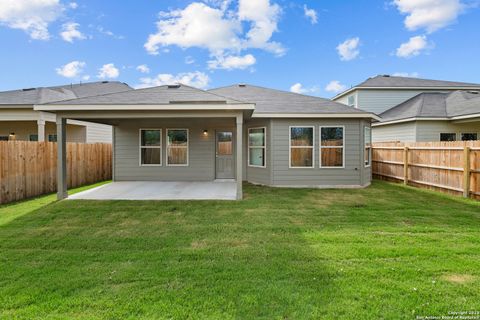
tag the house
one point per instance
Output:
(380, 93)
(413, 109)
(19, 121)
(237, 133)
(432, 116)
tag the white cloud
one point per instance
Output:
(310, 14)
(31, 16)
(108, 71)
(70, 32)
(73, 5)
(218, 28)
(232, 62)
(348, 50)
(86, 77)
(299, 88)
(189, 60)
(406, 74)
(195, 79)
(335, 86)
(72, 69)
(143, 68)
(413, 47)
(430, 15)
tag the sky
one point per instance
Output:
(313, 47)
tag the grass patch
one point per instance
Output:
(385, 252)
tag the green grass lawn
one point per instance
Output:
(385, 252)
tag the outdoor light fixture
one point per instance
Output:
(205, 132)
(12, 137)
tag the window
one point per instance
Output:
(256, 147)
(448, 136)
(33, 137)
(368, 146)
(177, 147)
(3, 138)
(52, 138)
(331, 147)
(301, 147)
(469, 136)
(150, 147)
(351, 100)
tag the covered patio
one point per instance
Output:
(162, 190)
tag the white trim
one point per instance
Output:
(140, 147)
(408, 120)
(178, 147)
(137, 107)
(369, 148)
(320, 147)
(299, 147)
(257, 147)
(317, 115)
(468, 116)
(338, 96)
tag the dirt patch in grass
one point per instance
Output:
(198, 244)
(324, 200)
(459, 278)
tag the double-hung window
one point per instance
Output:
(332, 146)
(177, 147)
(257, 147)
(448, 136)
(301, 147)
(368, 146)
(469, 136)
(150, 147)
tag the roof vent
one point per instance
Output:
(28, 89)
(242, 85)
(473, 92)
(386, 76)
(104, 81)
(173, 86)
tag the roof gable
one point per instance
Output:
(387, 81)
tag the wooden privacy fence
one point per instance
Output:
(451, 167)
(28, 169)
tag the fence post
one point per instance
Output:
(466, 172)
(405, 165)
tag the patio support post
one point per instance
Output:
(41, 130)
(239, 162)
(61, 158)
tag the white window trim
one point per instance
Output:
(331, 147)
(140, 147)
(369, 148)
(440, 136)
(264, 147)
(290, 147)
(186, 147)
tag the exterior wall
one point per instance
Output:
(430, 130)
(254, 174)
(95, 132)
(378, 101)
(354, 173)
(23, 130)
(201, 150)
(406, 132)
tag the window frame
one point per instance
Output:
(296, 147)
(369, 164)
(32, 135)
(473, 133)
(140, 147)
(264, 147)
(440, 136)
(354, 97)
(186, 147)
(52, 135)
(331, 147)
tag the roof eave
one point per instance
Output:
(142, 107)
(317, 115)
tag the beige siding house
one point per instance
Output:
(387, 95)
(19, 121)
(241, 133)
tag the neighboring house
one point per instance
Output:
(19, 121)
(432, 117)
(241, 132)
(380, 93)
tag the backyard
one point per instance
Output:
(385, 252)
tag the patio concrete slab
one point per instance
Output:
(159, 190)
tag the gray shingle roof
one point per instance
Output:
(392, 82)
(435, 105)
(57, 93)
(155, 95)
(276, 101)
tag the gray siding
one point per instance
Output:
(351, 175)
(430, 130)
(201, 150)
(253, 174)
(23, 130)
(98, 133)
(395, 132)
(378, 101)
